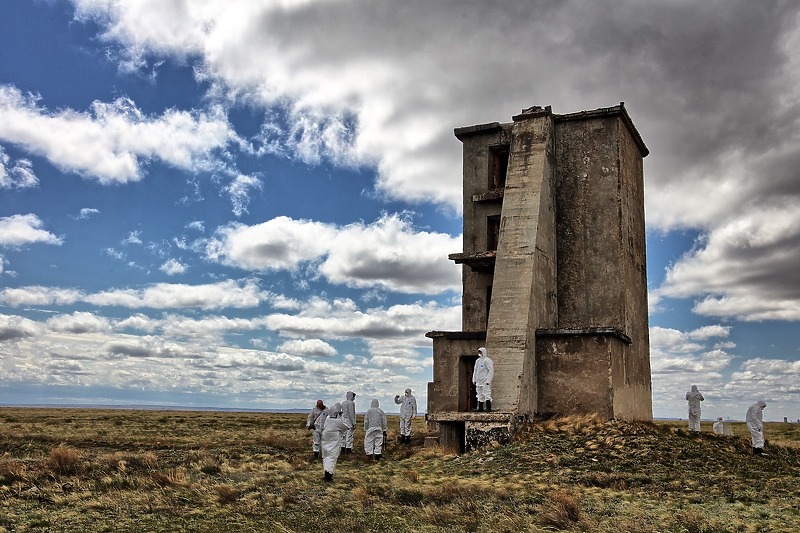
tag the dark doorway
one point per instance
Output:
(492, 232)
(498, 166)
(467, 395)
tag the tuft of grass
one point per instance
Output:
(227, 494)
(561, 511)
(572, 423)
(12, 471)
(64, 461)
(412, 476)
(171, 478)
(693, 521)
(211, 469)
(408, 496)
(447, 492)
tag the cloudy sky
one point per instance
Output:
(249, 204)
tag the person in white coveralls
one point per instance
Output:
(694, 398)
(408, 410)
(756, 426)
(375, 428)
(335, 424)
(482, 377)
(349, 414)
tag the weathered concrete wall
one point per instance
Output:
(633, 395)
(444, 392)
(523, 293)
(478, 142)
(590, 272)
(575, 373)
(602, 279)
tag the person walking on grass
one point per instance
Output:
(349, 414)
(315, 422)
(755, 424)
(375, 428)
(694, 398)
(408, 410)
(335, 424)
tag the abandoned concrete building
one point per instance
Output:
(553, 272)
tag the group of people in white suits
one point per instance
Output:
(753, 419)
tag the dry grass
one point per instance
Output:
(94, 470)
(561, 511)
(64, 461)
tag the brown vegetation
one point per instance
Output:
(104, 470)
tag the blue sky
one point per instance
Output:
(250, 204)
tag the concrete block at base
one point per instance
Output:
(431, 442)
(478, 434)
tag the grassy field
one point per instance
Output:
(125, 470)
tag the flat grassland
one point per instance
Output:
(136, 470)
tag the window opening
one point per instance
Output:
(499, 167)
(492, 232)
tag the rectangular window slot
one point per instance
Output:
(498, 169)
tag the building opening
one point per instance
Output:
(468, 396)
(492, 232)
(498, 157)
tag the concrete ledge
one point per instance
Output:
(466, 416)
(607, 331)
(493, 195)
(457, 335)
(609, 111)
(477, 260)
(466, 131)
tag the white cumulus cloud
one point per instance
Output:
(389, 253)
(112, 141)
(17, 230)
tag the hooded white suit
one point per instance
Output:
(482, 376)
(756, 425)
(408, 410)
(374, 427)
(316, 420)
(331, 436)
(694, 398)
(349, 415)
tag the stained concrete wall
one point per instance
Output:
(478, 142)
(524, 285)
(444, 392)
(602, 275)
(576, 373)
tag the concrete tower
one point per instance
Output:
(553, 272)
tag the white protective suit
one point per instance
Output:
(482, 376)
(375, 426)
(331, 436)
(349, 415)
(408, 410)
(316, 420)
(694, 398)
(756, 425)
(719, 427)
